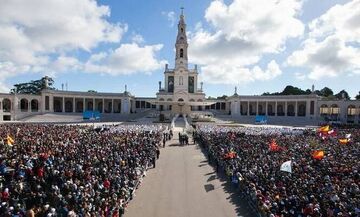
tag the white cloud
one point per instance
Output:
(227, 74)
(127, 59)
(300, 76)
(33, 32)
(243, 32)
(170, 17)
(332, 46)
(65, 64)
(138, 39)
(8, 69)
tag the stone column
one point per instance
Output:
(257, 107)
(42, 103)
(296, 108)
(276, 108)
(103, 105)
(94, 106)
(51, 102)
(63, 104)
(74, 105)
(285, 108)
(29, 106)
(343, 111)
(84, 106)
(307, 110)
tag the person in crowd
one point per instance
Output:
(62, 170)
(327, 186)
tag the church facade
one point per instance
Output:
(180, 94)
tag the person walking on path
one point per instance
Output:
(157, 153)
(154, 161)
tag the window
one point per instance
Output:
(181, 53)
(182, 30)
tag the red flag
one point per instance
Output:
(274, 146)
(318, 154)
(230, 155)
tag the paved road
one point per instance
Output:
(184, 185)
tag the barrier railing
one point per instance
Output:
(136, 186)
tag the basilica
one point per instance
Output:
(180, 93)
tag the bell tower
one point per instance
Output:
(181, 93)
(181, 46)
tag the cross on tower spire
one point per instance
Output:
(182, 11)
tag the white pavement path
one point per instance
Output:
(184, 185)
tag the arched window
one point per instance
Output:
(302, 110)
(68, 106)
(57, 105)
(181, 53)
(260, 110)
(34, 105)
(270, 110)
(90, 106)
(6, 103)
(334, 109)
(24, 105)
(251, 110)
(351, 110)
(280, 110)
(324, 109)
(79, 106)
(290, 110)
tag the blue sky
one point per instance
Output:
(257, 45)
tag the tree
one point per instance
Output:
(34, 87)
(92, 91)
(342, 95)
(221, 97)
(358, 96)
(308, 91)
(326, 92)
(290, 90)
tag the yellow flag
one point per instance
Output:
(343, 141)
(10, 141)
(324, 128)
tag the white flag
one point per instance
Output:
(286, 166)
(348, 136)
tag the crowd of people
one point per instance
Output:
(62, 170)
(326, 186)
